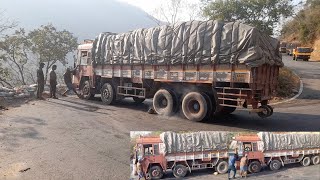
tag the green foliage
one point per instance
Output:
(305, 26)
(52, 45)
(14, 51)
(263, 14)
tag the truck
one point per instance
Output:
(203, 68)
(182, 153)
(303, 53)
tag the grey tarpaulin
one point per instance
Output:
(194, 141)
(193, 42)
(287, 141)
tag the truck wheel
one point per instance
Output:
(164, 102)
(86, 91)
(155, 172)
(180, 171)
(254, 167)
(306, 161)
(275, 165)
(138, 100)
(222, 167)
(211, 106)
(108, 95)
(315, 160)
(194, 106)
(267, 111)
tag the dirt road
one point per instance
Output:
(71, 138)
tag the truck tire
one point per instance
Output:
(194, 106)
(222, 167)
(86, 91)
(315, 159)
(275, 165)
(108, 95)
(211, 106)
(306, 161)
(164, 102)
(254, 167)
(138, 100)
(156, 172)
(180, 171)
(267, 111)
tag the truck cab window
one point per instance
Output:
(254, 147)
(247, 146)
(156, 149)
(83, 57)
(148, 150)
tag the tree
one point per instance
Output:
(263, 14)
(14, 50)
(52, 46)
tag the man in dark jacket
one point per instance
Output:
(40, 81)
(67, 76)
(53, 82)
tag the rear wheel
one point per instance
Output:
(315, 159)
(164, 102)
(266, 111)
(138, 100)
(155, 172)
(254, 167)
(306, 161)
(222, 167)
(275, 165)
(108, 95)
(86, 91)
(194, 106)
(211, 106)
(180, 171)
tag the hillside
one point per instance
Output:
(86, 19)
(305, 28)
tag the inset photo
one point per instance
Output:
(224, 155)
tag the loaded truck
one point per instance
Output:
(203, 68)
(182, 153)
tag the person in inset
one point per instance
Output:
(139, 170)
(67, 76)
(231, 165)
(40, 81)
(244, 166)
(53, 82)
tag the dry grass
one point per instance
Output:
(288, 83)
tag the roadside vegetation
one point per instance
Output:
(288, 84)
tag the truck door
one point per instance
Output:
(251, 149)
(152, 153)
(83, 66)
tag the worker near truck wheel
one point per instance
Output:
(53, 82)
(231, 165)
(67, 76)
(139, 170)
(244, 166)
(40, 81)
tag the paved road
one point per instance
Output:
(70, 138)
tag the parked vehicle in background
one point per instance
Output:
(202, 68)
(291, 46)
(303, 53)
(185, 152)
(283, 49)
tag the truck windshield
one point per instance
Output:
(304, 50)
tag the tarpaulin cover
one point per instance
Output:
(289, 141)
(194, 141)
(193, 42)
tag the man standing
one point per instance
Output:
(244, 166)
(40, 81)
(68, 80)
(53, 82)
(231, 165)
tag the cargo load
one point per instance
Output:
(195, 141)
(289, 141)
(193, 42)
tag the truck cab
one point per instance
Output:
(83, 72)
(249, 145)
(302, 53)
(152, 161)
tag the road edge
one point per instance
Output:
(297, 95)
